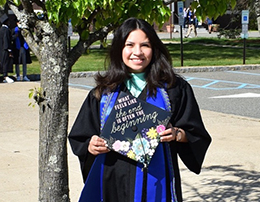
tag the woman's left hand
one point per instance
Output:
(173, 133)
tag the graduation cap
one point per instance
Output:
(3, 18)
(133, 126)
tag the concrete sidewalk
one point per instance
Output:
(231, 169)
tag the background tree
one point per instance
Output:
(257, 12)
(250, 5)
(213, 8)
(46, 35)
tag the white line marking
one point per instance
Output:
(243, 95)
(248, 73)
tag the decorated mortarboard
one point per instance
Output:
(3, 18)
(133, 126)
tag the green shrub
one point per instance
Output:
(229, 33)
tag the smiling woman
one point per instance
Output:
(139, 67)
(137, 53)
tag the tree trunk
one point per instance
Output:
(53, 165)
(258, 24)
(257, 11)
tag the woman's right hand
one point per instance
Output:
(97, 145)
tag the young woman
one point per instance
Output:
(139, 64)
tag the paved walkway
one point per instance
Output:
(231, 169)
(201, 33)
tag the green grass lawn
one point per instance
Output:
(196, 52)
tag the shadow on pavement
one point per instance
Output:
(228, 183)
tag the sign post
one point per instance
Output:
(244, 34)
(181, 20)
(70, 32)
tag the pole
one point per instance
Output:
(70, 32)
(69, 43)
(244, 22)
(244, 52)
(181, 45)
(181, 22)
(171, 22)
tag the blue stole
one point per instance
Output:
(156, 177)
(17, 40)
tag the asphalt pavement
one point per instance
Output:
(231, 170)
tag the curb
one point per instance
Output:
(193, 69)
(183, 70)
(216, 68)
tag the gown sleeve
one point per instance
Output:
(85, 126)
(186, 115)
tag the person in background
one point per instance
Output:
(185, 18)
(139, 65)
(191, 25)
(6, 49)
(21, 53)
(209, 23)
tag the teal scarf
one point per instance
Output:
(136, 84)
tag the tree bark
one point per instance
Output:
(51, 51)
(53, 115)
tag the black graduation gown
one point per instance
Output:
(6, 64)
(16, 52)
(186, 115)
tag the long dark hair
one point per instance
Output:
(158, 73)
